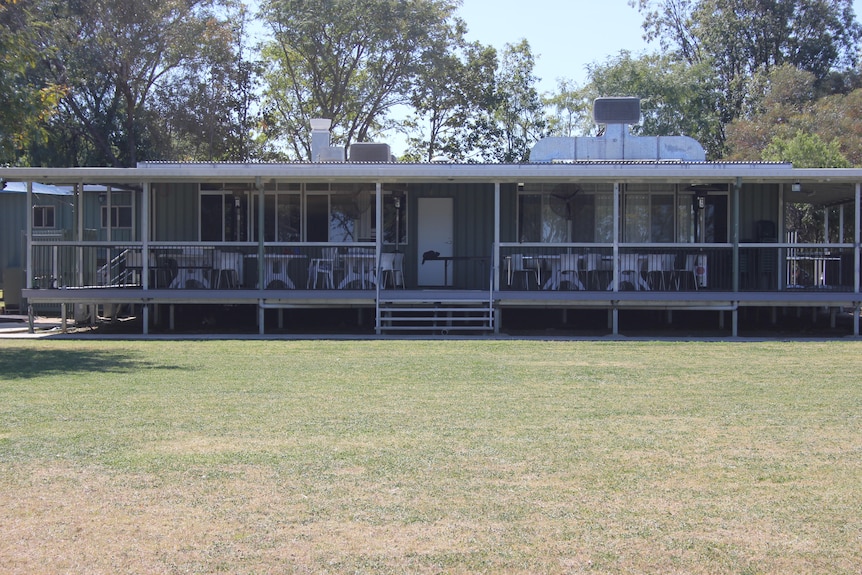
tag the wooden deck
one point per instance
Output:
(693, 299)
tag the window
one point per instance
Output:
(349, 214)
(224, 217)
(576, 213)
(709, 224)
(325, 213)
(282, 221)
(121, 216)
(649, 217)
(43, 216)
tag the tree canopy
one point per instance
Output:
(351, 61)
(26, 99)
(742, 41)
(115, 82)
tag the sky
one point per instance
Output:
(564, 35)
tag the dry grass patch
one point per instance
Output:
(430, 457)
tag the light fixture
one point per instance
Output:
(796, 187)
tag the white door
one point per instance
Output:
(435, 233)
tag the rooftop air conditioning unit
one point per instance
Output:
(370, 152)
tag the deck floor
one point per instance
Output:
(508, 298)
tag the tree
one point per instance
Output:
(805, 150)
(676, 98)
(782, 98)
(449, 93)
(571, 110)
(789, 106)
(743, 40)
(350, 61)
(209, 107)
(112, 55)
(515, 121)
(26, 99)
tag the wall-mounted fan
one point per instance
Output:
(562, 200)
(562, 203)
(359, 203)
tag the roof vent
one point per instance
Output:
(617, 110)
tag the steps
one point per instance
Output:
(435, 317)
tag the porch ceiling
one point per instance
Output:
(821, 193)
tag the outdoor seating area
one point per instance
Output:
(594, 271)
(208, 267)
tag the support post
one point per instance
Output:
(734, 318)
(734, 234)
(261, 265)
(857, 255)
(145, 237)
(616, 249)
(378, 249)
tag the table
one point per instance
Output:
(358, 267)
(193, 269)
(447, 259)
(553, 262)
(555, 276)
(276, 269)
(818, 262)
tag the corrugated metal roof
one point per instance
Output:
(593, 170)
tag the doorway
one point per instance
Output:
(435, 233)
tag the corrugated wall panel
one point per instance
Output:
(12, 212)
(756, 202)
(508, 213)
(176, 212)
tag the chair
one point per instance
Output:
(387, 269)
(592, 267)
(569, 271)
(227, 269)
(518, 264)
(631, 266)
(168, 272)
(391, 269)
(323, 268)
(399, 269)
(655, 270)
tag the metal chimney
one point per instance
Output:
(319, 138)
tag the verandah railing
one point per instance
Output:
(194, 265)
(678, 267)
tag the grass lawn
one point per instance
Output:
(430, 457)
